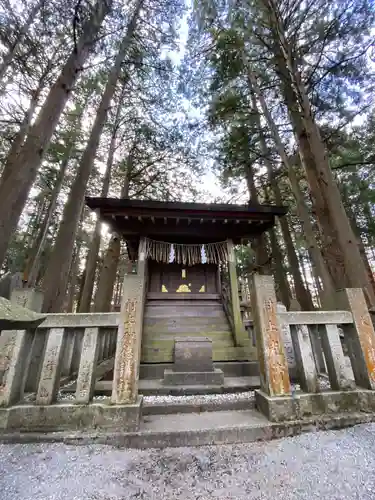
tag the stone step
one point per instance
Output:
(215, 336)
(230, 369)
(182, 297)
(231, 385)
(168, 405)
(170, 304)
(180, 325)
(221, 352)
(215, 311)
(153, 387)
(169, 342)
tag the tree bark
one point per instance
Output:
(55, 286)
(302, 211)
(259, 244)
(72, 289)
(302, 294)
(92, 255)
(357, 232)
(22, 133)
(103, 298)
(36, 252)
(108, 272)
(282, 286)
(340, 248)
(15, 188)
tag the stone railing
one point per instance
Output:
(35, 363)
(352, 384)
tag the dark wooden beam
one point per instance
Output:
(168, 207)
(194, 215)
(132, 228)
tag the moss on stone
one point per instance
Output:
(13, 316)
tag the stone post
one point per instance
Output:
(308, 375)
(51, 368)
(78, 339)
(317, 348)
(101, 346)
(314, 339)
(129, 336)
(113, 343)
(288, 343)
(360, 336)
(107, 344)
(15, 346)
(87, 367)
(274, 375)
(27, 297)
(68, 354)
(339, 373)
(239, 329)
(36, 358)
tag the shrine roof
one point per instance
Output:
(179, 221)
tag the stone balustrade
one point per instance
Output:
(352, 379)
(63, 347)
(35, 363)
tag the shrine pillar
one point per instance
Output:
(240, 334)
(273, 364)
(129, 336)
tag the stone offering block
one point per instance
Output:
(193, 354)
(209, 378)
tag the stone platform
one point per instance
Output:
(209, 428)
(153, 387)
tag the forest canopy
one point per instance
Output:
(260, 101)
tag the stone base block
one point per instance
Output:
(61, 417)
(281, 408)
(215, 377)
(193, 354)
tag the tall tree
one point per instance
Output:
(61, 257)
(15, 188)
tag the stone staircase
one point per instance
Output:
(166, 319)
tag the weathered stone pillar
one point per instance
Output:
(77, 349)
(315, 340)
(50, 375)
(107, 349)
(360, 336)
(287, 339)
(129, 336)
(103, 344)
(15, 346)
(274, 375)
(100, 347)
(307, 372)
(27, 297)
(36, 358)
(340, 375)
(68, 353)
(87, 367)
(112, 345)
(317, 348)
(239, 329)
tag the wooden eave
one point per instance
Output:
(184, 222)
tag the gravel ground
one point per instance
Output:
(335, 465)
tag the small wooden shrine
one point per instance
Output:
(186, 272)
